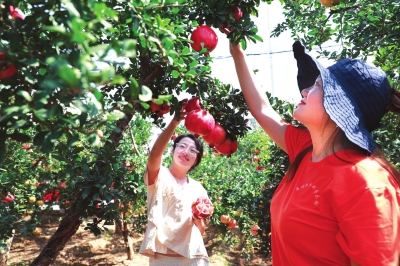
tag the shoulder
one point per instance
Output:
(297, 139)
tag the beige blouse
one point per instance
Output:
(170, 227)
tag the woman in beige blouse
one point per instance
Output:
(173, 236)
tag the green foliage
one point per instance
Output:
(361, 29)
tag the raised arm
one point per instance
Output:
(272, 123)
(155, 156)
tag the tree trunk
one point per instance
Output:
(128, 242)
(118, 226)
(5, 252)
(67, 228)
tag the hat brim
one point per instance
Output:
(343, 110)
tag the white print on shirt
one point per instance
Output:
(315, 191)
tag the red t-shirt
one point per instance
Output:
(335, 211)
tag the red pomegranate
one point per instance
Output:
(254, 230)
(232, 224)
(199, 122)
(216, 137)
(154, 107)
(193, 104)
(204, 34)
(237, 13)
(8, 71)
(225, 219)
(228, 146)
(16, 13)
(202, 208)
(165, 108)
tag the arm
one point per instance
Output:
(258, 103)
(155, 156)
(200, 223)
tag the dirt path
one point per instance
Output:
(108, 249)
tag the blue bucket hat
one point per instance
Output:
(356, 97)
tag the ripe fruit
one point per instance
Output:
(62, 185)
(329, 3)
(254, 230)
(202, 208)
(8, 198)
(237, 13)
(26, 146)
(228, 146)
(206, 36)
(165, 108)
(225, 219)
(232, 224)
(8, 71)
(174, 136)
(216, 137)
(154, 107)
(37, 231)
(39, 203)
(159, 109)
(100, 133)
(199, 122)
(255, 159)
(32, 199)
(37, 184)
(193, 104)
(16, 13)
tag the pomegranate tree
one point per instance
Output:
(216, 137)
(204, 36)
(202, 208)
(199, 122)
(228, 146)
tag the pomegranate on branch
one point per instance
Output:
(193, 104)
(228, 146)
(199, 122)
(202, 208)
(204, 36)
(216, 137)
(6, 72)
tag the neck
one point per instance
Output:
(324, 143)
(178, 173)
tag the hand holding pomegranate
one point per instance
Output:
(202, 208)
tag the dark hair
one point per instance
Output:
(199, 147)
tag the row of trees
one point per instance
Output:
(87, 71)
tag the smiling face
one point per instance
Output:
(185, 153)
(310, 110)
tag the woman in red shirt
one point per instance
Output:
(338, 204)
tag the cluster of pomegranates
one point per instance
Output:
(10, 70)
(205, 37)
(201, 123)
(159, 109)
(231, 223)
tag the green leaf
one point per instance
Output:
(175, 74)
(146, 94)
(86, 193)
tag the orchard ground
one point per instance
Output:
(108, 249)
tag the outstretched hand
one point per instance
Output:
(234, 49)
(181, 114)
